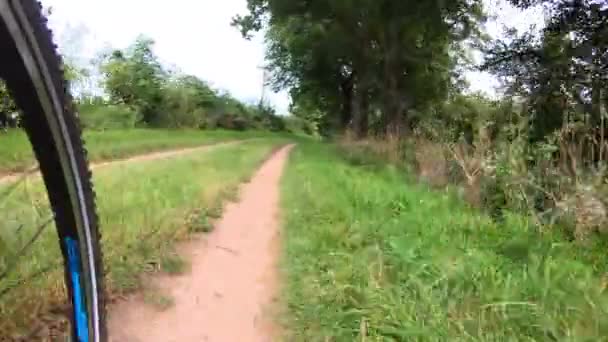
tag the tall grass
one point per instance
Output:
(369, 256)
(16, 153)
(144, 208)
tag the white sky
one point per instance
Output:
(196, 36)
(502, 15)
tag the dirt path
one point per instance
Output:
(228, 294)
(147, 156)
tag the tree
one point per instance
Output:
(565, 71)
(188, 101)
(355, 56)
(136, 78)
(8, 110)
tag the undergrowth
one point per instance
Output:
(370, 255)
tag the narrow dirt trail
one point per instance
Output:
(142, 157)
(229, 292)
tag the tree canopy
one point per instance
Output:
(563, 74)
(365, 62)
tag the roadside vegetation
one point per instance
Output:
(380, 257)
(510, 243)
(390, 77)
(16, 153)
(145, 208)
(128, 102)
(140, 92)
(435, 213)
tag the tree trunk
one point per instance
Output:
(364, 124)
(359, 111)
(597, 115)
(603, 138)
(346, 89)
(596, 101)
(3, 120)
(395, 105)
(395, 110)
(396, 127)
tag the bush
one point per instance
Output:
(240, 123)
(492, 197)
(104, 116)
(294, 124)
(274, 123)
(233, 122)
(431, 163)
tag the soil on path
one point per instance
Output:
(13, 177)
(228, 294)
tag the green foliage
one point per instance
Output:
(493, 197)
(269, 120)
(141, 92)
(562, 73)
(135, 78)
(188, 102)
(16, 153)
(7, 108)
(10, 115)
(102, 116)
(350, 60)
(297, 125)
(375, 259)
(199, 222)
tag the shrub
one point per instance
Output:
(492, 197)
(431, 163)
(240, 124)
(273, 122)
(105, 116)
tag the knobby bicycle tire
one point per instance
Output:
(32, 70)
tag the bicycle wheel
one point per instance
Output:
(32, 71)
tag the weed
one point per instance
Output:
(368, 255)
(172, 264)
(230, 194)
(198, 222)
(215, 211)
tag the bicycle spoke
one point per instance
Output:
(25, 248)
(29, 252)
(14, 184)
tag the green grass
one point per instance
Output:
(369, 256)
(16, 153)
(143, 207)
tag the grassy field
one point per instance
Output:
(16, 153)
(144, 208)
(369, 256)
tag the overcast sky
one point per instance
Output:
(196, 36)
(503, 15)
